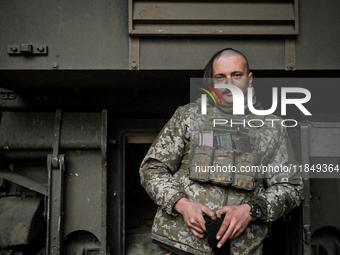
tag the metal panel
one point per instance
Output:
(122, 132)
(55, 211)
(185, 53)
(16, 217)
(319, 141)
(84, 189)
(134, 53)
(37, 130)
(91, 35)
(226, 12)
(76, 198)
(24, 181)
(306, 202)
(324, 139)
(318, 40)
(213, 18)
(79, 34)
(290, 54)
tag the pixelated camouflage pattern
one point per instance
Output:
(165, 184)
(222, 157)
(201, 158)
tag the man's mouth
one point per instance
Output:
(227, 92)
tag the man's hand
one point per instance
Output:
(193, 215)
(237, 218)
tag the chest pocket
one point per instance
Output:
(224, 167)
(234, 166)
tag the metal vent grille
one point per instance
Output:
(213, 18)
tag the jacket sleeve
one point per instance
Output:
(284, 185)
(163, 159)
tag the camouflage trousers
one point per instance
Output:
(248, 243)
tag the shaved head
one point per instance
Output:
(228, 52)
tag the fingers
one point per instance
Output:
(193, 216)
(209, 212)
(235, 221)
(225, 224)
(222, 211)
(201, 222)
(196, 233)
(206, 210)
(196, 228)
(224, 238)
(236, 233)
(233, 224)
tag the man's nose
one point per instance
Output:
(230, 80)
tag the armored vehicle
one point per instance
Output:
(85, 86)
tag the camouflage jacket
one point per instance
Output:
(166, 183)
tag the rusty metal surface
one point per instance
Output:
(134, 53)
(324, 139)
(75, 32)
(85, 193)
(20, 220)
(319, 145)
(95, 35)
(27, 49)
(119, 133)
(55, 206)
(36, 130)
(77, 183)
(290, 54)
(213, 18)
(24, 181)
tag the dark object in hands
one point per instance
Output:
(212, 227)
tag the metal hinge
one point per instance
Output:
(8, 95)
(306, 234)
(27, 49)
(56, 167)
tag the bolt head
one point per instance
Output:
(134, 65)
(290, 66)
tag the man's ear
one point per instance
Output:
(250, 76)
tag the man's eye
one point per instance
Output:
(238, 75)
(219, 78)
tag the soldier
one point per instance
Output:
(243, 202)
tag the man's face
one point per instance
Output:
(231, 70)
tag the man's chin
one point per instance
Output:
(229, 100)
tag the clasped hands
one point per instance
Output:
(237, 218)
